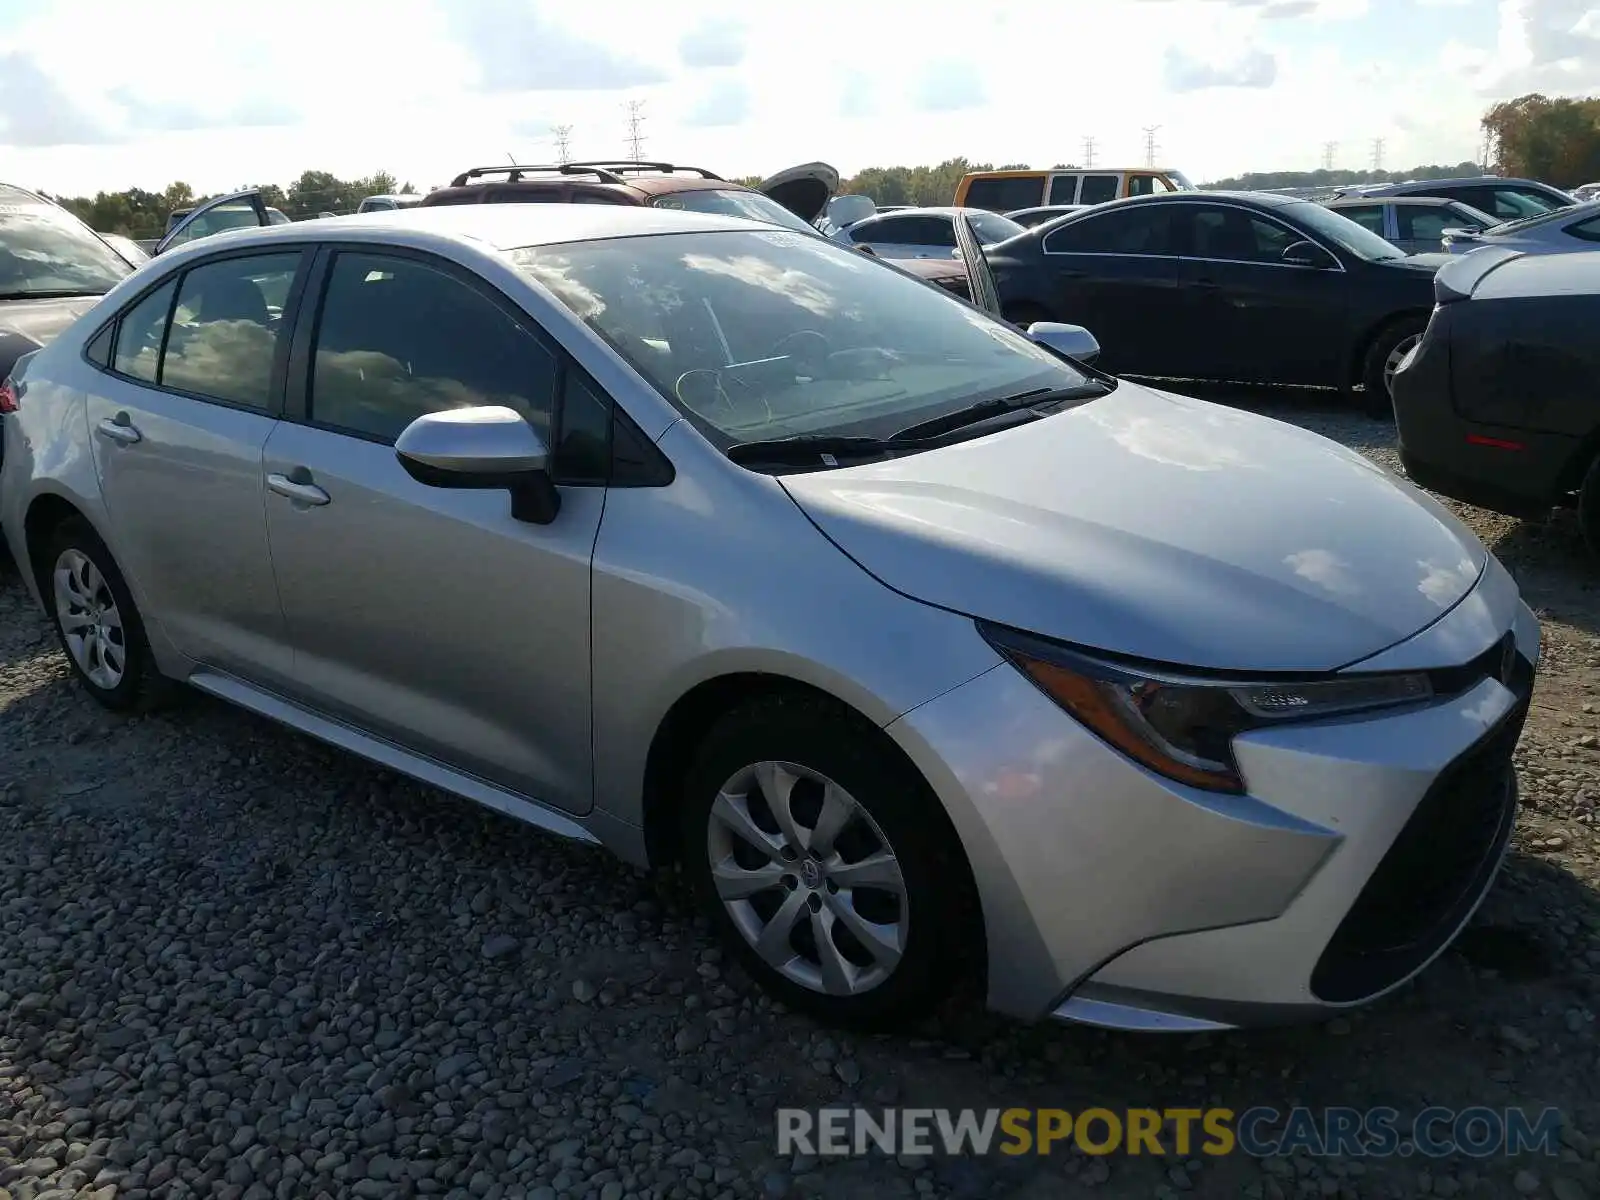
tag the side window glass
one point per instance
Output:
(1005, 194)
(1063, 189)
(398, 339)
(1141, 185)
(1230, 235)
(891, 232)
(98, 350)
(583, 450)
(1097, 189)
(1423, 224)
(936, 231)
(1370, 216)
(1140, 230)
(139, 335)
(224, 333)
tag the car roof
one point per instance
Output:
(1418, 201)
(508, 226)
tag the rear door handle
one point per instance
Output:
(299, 488)
(120, 428)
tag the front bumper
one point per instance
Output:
(1118, 898)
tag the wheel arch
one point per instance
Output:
(46, 512)
(684, 727)
(1355, 368)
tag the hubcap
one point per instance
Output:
(1396, 357)
(90, 621)
(809, 879)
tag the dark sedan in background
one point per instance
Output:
(1497, 406)
(1237, 287)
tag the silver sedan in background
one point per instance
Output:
(1563, 230)
(925, 648)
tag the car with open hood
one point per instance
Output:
(925, 648)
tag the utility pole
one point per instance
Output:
(635, 136)
(1150, 145)
(1328, 150)
(1088, 152)
(1377, 154)
(563, 136)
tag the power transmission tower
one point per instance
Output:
(563, 135)
(1377, 154)
(1088, 152)
(1328, 150)
(1150, 145)
(635, 136)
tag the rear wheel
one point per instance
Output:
(1384, 356)
(97, 622)
(825, 864)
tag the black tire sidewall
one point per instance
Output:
(1589, 508)
(814, 735)
(1376, 401)
(137, 688)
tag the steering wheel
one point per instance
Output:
(808, 349)
(701, 389)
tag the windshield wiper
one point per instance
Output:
(806, 448)
(984, 410)
(51, 294)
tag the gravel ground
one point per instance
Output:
(239, 964)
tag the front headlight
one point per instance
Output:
(1182, 724)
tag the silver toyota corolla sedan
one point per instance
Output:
(924, 649)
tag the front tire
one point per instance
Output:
(826, 864)
(97, 622)
(1388, 349)
(1589, 508)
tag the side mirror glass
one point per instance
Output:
(1307, 254)
(1072, 340)
(485, 448)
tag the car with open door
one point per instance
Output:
(927, 652)
(236, 210)
(796, 198)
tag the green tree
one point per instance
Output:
(1556, 141)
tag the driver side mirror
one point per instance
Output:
(484, 448)
(1072, 340)
(1308, 254)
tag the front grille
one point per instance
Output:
(1435, 871)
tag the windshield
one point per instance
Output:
(758, 206)
(44, 251)
(993, 228)
(1181, 181)
(1340, 229)
(768, 334)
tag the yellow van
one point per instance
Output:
(1007, 191)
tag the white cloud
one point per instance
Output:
(425, 88)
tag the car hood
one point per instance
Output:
(1153, 525)
(25, 325)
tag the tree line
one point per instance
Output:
(1555, 140)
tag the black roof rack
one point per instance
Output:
(627, 164)
(607, 171)
(515, 171)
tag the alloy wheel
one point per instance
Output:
(91, 623)
(1397, 355)
(808, 878)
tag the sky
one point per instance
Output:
(103, 94)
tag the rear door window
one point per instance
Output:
(226, 328)
(1063, 189)
(1004, 193)
(1368, 216)
(1141, 229)
(1423, 223)
(1097, 189)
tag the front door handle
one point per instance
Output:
(298, 486)
(120, 428)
